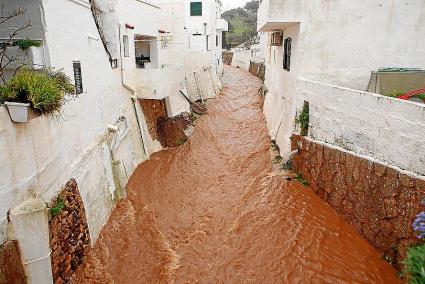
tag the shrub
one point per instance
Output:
(57, 207)
(6, 94)
(24, 44)
(304, 119)
(415, 265)
(45, 90)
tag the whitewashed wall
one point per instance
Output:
(390, 130)
(280, 104)
(335, 42)
(38, 158)
(242, 59)
(341, 42)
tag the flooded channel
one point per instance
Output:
(214, 211)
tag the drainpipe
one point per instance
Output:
(133, 96)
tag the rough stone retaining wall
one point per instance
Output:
(69, 235)
(379, 201)
(11, 268)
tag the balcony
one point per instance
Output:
(159, 83)
(278, 14)
(222, 25)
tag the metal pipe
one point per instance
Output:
(133, 97)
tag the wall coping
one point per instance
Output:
(362, 92)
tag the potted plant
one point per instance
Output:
(43, 92)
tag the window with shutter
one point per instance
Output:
(287, 54)
(196, 8)
(78, 77)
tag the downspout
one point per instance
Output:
(133, 96)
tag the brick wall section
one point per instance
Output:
(379, 201)
(69, 235)
(11, 267)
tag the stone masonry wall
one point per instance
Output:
(377, 200)
(69, 234)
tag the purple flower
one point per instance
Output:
(419, 225)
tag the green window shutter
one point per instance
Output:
(196, 8)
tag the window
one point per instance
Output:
(126, 46)
(276, 39)
(216, 40)
(77, 77)
(287, 54)
(196, 8)
(208, 42)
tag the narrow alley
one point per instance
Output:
(214, 211)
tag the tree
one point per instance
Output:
(5, 59)
(252, 6)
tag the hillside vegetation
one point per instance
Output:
(242, 24)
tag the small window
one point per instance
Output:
(287, 54)
(126, 46)
(216, 40)
(196, 8)
(208, 42)
(78, 77)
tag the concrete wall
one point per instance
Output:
(342, 48)
(78, 144)
(241, 58)
(32, 14)
(41, 156)
(332, 46)
(390, 130)
(280, 104)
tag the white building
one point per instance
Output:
(205, 28)
(131, 51)
(324, 52)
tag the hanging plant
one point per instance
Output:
(44, 92)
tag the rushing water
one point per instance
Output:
(214, 211)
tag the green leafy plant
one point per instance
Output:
(24, 44)
(415, 265)
(301, 180)
(44, 90)
(304, 119)
(6, 94)
(57, 207)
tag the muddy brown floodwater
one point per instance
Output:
(214, 211)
